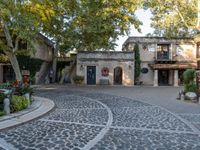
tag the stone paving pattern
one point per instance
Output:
(80, 120)
(46, 135)
(92, 116)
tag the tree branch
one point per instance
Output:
(181, 16)
(16, 43)
(3, 46)
(7, 35)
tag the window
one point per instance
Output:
(163, 51)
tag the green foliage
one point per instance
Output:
(137, 61)
(188, 77)
(87, 25)
(26, 89)
(4, 58)
(190, 87)
(2, 96)
(173, 18)
(2, 113)
(5, 85)
(28, 63)
(18, 103)
(78, 79)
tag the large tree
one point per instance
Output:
(90, 24)
(174, 18)
(17, 24)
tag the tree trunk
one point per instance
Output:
(63, 74)
(15, 65)
(54, 66)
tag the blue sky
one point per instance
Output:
(143, 16)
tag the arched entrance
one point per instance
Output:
(118, 75)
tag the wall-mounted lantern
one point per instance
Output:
(81, 67)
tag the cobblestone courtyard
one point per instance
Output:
(91, 120)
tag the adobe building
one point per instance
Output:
(44, 49)
(107, 68)
(163, 61)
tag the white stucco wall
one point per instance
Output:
(147, 78)
(107, 59)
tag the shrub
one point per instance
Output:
(189, 84)
(78, 79)
(137, 61)
(5, 85)
(18, 103)
(190, 87)
(26, 89)
(2, 96)
(2, 113)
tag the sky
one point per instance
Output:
(143, 16)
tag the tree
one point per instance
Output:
(17, 23)
(174, 18)
(90, 25)
(137, 61)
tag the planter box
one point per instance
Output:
(104, 81)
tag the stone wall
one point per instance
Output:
(111, 60)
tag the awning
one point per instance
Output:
(174, 66)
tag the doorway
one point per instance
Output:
(163, 77)
(118, 76)
(91, 75)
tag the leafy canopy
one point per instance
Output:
(173, 18)
(88, 24)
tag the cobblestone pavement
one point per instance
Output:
(83, 121)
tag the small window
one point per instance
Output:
(151, 48)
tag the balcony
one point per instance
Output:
(163, 55)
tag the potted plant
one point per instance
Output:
(78, 79)
(27, 92)
(189, 85)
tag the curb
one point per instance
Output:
(39, 107)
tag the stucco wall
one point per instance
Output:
(107, 59)
(180, 49)
(185, 52)
(43, 51)
(147, 78)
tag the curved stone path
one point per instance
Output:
(83, 121)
